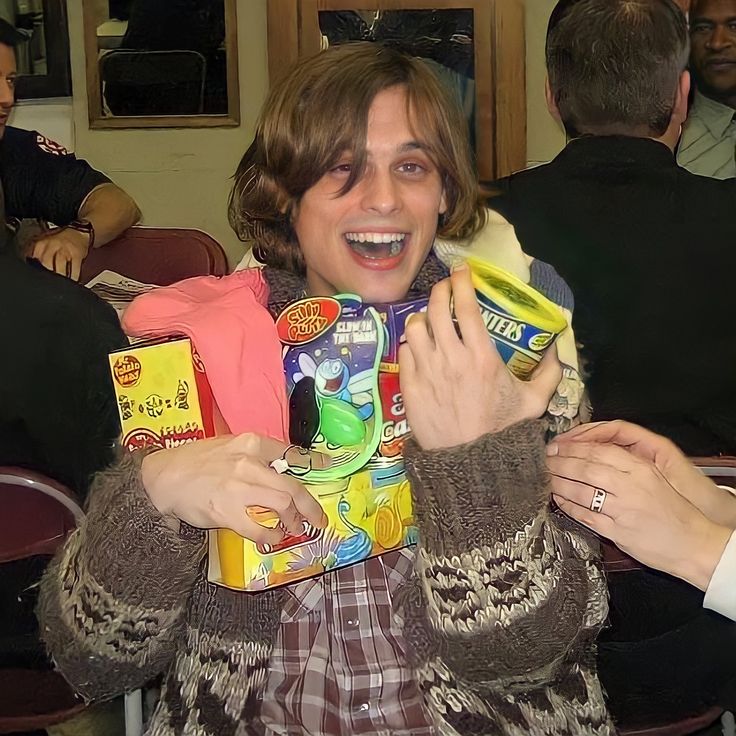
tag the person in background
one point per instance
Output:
(637, 489)
(58, 417)
(613, 213)
(708, 143)
(360, 160)
(43, 181)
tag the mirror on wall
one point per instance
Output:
(161, 63)
(42, 51)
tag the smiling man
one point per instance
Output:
(709, 136)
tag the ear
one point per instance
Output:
(679, 110)
(443, 203)
(554, 111)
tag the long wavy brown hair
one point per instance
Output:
(320, 111)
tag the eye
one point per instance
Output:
(342, 169)
(699, 28)
(413, 168)
(11, 81)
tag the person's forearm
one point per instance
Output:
(110, 210)
(701, 553)
(721, 508)
(498, 573)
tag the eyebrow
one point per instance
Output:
(412, 146)
(710, 21)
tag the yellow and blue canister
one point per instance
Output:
(522, 322)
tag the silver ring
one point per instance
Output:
(281, 464)
(599, 498)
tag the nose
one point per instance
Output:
(380, 192)
(719, 39)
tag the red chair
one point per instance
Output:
(157, 255)
(722, 470)
(38, 514)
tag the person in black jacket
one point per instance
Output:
(58, 414)
(644, 244)
(648, 250)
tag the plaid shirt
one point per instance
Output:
(338, 664)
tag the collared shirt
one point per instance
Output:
(708, 143)
(721, 593)
(338, 664)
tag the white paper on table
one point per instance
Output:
(118, 291)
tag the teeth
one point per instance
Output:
(375, 237)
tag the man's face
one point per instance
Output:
(8, 75)
(373, 240)
(713, 52)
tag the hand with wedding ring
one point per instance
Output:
(717, 504)
(628, 499)
(211, 483)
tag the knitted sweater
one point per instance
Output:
(499, 620)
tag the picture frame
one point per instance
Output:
(498, 122)
(97, 45)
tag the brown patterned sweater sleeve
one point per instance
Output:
(511, 598)
(112, 601)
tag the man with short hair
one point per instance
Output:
(43, 181)
(647, 249)
(614, 214)
(708, 144)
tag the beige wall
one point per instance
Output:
(178, 176)
(544, 137)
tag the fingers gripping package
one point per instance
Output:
(341, 368)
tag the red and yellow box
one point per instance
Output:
(163, 396)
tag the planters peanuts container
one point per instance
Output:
(522, 322)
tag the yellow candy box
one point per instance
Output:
(163, 396)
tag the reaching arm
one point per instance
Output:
(658, 507)
(509, 599)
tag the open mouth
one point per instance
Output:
(333, 384)
(376, 246)
(308, 534)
